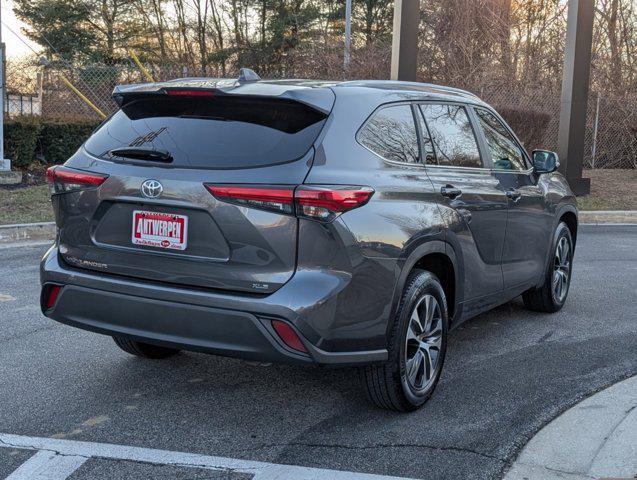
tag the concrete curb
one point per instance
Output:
(46, 230)
(597, 438)
(27, 232)
(608, 216)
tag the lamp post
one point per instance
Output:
(5, 164)
(348, 32)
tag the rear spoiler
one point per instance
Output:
(321, 99)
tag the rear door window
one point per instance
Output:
(391, 134)
(217, 132)
(452, 135)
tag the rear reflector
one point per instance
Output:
(51, 294)
(63, 179)
(322, 202)
(288, 335)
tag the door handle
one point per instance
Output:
(466, 214)
(450, 191)
(513, 195)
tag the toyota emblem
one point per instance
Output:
(152, 189)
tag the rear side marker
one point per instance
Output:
(320, 202)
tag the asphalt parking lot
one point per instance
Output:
(508, 373)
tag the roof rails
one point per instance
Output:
(452, 90)
(413, 86)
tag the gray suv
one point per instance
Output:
(325, 223)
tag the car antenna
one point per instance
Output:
(246, 75)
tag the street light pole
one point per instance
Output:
(4, 164)
(348, 32)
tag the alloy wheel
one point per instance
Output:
(423, 343)
(561, 269)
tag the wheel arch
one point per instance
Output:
(439, 258)
(569, 217)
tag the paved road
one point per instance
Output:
(507, 374)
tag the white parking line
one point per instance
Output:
(49, 462)
(47, 465)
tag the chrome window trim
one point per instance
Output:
(483, 169)
(456, 167)
(418, 164)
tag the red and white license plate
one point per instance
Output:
(162, 230)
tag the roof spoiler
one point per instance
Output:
(248, 84)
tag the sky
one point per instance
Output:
(15, 48)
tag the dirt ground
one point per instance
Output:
(611, 189)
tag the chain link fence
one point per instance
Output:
(611, 123)
(610, 136)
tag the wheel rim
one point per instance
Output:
(561, 269)
(423, 343)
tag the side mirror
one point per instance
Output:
(545, 161)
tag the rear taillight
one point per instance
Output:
(322, 202)
(279, 199)
(63, 179)
(325, 202)
(50, 295)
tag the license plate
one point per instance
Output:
(162, 230)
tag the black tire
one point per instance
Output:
(144, 350)
(545, 299)
(387, 385)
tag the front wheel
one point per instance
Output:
(551, 295)
(417, 346)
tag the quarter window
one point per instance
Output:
(391, 134)
(452, 135)
(505, 152)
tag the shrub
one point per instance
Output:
(59, 140)
(21, 139)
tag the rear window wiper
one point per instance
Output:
(140, 153)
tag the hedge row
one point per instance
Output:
(30, 139)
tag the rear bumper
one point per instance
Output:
(229, 325)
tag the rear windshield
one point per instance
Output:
(212, 132)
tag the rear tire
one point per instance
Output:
(417, 346)
(551, 295)
(144, 350)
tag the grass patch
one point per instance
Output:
(612, 189)
(25, 205)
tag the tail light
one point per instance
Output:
(279, 199)
(63, 179)
(50, 295)
(288, 335)
(321, 202)
(326, 202)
